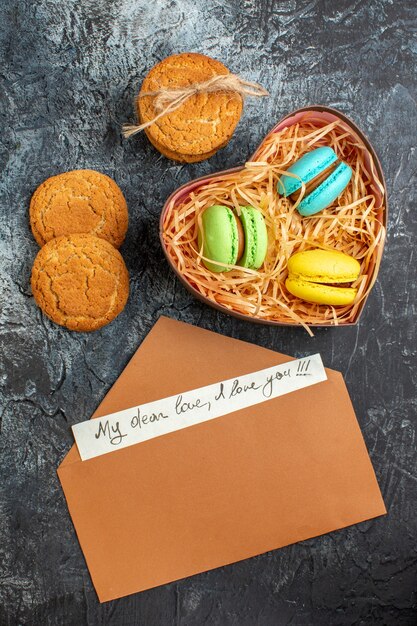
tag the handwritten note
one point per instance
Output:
(154, 419)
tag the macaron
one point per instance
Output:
(316, 275)
(226, 238)
(324, 175)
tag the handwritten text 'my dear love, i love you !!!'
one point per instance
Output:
(115, 433)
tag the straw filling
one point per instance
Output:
(353, 225)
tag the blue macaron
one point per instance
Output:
(324, 176)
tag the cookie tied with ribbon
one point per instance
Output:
(189, 106)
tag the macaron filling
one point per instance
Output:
(323, 277)
(324, 177)
(326, 193)
(225, 237)
(305, 169)
(315, 182)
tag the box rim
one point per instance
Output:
(200, 179)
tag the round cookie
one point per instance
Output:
(80, 281)
(203, 123)
(80, 201)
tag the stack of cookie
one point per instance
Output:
(204, 123)
(79, 278)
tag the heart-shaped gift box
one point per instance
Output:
(359, 225)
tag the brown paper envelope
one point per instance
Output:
(275, 473)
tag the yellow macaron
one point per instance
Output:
(315, 276)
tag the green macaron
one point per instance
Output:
(219, 237)
(256, 238)
(228, 239)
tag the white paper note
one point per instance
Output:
(154, 419)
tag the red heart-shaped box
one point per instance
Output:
(375, 171)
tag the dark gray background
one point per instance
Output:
(69, 74)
